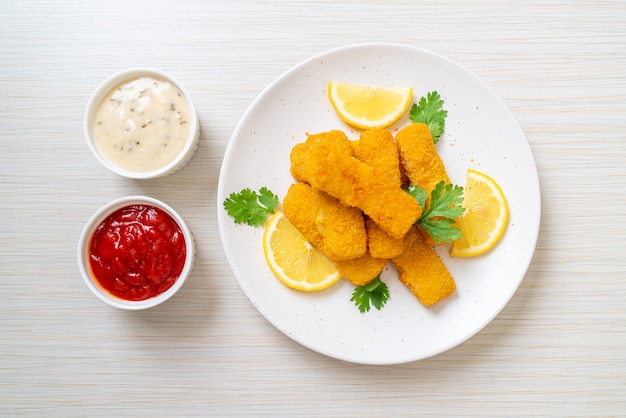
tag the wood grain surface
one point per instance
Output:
(557, 349)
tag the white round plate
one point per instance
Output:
(481, 133)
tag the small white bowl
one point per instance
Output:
(84, 243)
(116, 80)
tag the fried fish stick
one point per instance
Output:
(378, 148)
(337, 230)
(299, 207)
(379, 243)
(362, 270)
(325, 161)
(422, 271)
(342, 227)
(419, 157)
(421, 161)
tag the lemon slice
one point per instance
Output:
(294, 261)
(485, 218)
(369, 107)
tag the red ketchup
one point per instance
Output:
(138, 252)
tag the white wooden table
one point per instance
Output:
(559, 346)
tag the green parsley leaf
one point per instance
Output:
(444, 207)
(268, 199)
(375, 292)
(249, 207)
(430, 111)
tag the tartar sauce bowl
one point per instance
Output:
(140, 259)
(141, 123)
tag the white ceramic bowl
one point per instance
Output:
(85, 241)
(114, 81)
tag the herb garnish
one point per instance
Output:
(438, 219)
(251, 207)
(430, 111)
(375, 292)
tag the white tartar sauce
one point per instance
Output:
(143, 124)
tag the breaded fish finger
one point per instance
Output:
(299, 207)
(421, 270)
(419, 157)
(362, 270)
(342, 227)
(325, 161)
(299, 196)
(379, 243)
(337, 230)
(378, 148)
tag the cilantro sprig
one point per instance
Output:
(251, 207)
(444, 207)
(374, 293)
(430, 111)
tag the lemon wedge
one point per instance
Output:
(369, 107)
(485, 218)
(293, 260)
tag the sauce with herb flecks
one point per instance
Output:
(137, 252)
(142, 124)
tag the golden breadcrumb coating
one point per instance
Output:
(301, 195)
(362, 270)
(421, 269)
(377, 148)
(380, 243)
(337, 230)
(419, 157)
(421, 161)
(342, 227)
(301, 206)
(325, 161)
(350, 192)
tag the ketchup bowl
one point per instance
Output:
(141, 123)
(135, 253)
